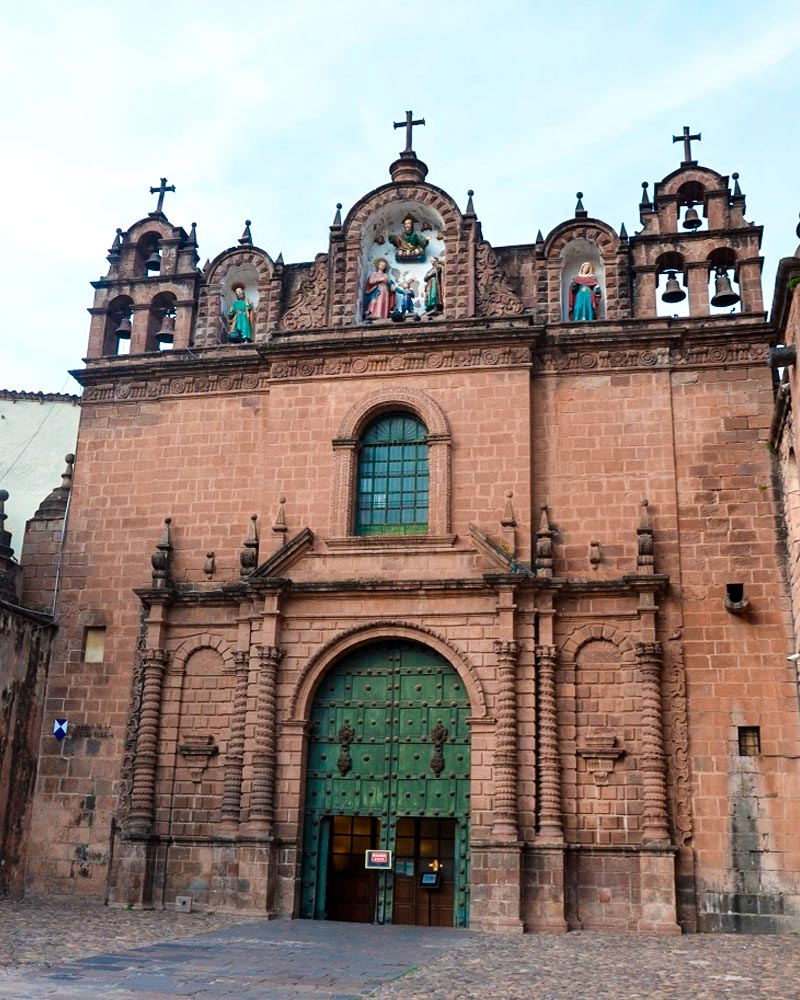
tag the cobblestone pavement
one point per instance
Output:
(77, 950)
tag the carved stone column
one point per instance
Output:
(550, 821)
(504, 826)
(262, 800)
(140, 818)
(234, 760)
(655, 822)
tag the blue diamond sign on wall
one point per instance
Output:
(60, 728)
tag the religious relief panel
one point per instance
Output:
(403, 261)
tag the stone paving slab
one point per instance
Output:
(77, 951)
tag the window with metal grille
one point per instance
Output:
(392, 493)
(749, 741)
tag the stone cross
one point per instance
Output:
(161, 190)
(409, 124)
(686, 139)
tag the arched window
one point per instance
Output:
(392, 480)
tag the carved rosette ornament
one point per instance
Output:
(262, 800)
(140, 817)
(306, 308)
(655, 827)
(494, 294)
(234, 760)
(504, 761)
(550, 822)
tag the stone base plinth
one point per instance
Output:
(496, 888)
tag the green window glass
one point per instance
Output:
(392, 486)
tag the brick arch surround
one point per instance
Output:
(346, 455)
(617, 298)
(210, 305)
(460, 237)
(189, 647)
(362, 635)
(588, 633)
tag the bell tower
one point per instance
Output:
(146, 302)
(695, 244)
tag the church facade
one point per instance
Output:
(463, 555)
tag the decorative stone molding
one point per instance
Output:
(234, 760)
(178, 385)
(702, 356)
(131, 737)
(197, 750)
(399, 361)
(677, 746)
(140, 817)
(377, 631)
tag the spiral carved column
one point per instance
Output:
(234, 762)
(550, 822)
(504, 762)
(655, 821)
(140, 818)
(262, 801)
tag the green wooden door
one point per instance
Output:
(388, 739)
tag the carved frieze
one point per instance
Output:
(494, 294)
(371, 364)
(306, 308)
(701, 355)
(160, 388)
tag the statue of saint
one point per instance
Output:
(584, 294)
(241, 318)
(404, 298)
(378, 291)
(434, 301)
(410, 246)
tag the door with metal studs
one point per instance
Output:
(388, 768)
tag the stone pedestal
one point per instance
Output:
(496, 888)
(658, 904)
(543, 875)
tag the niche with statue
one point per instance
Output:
(582, 282)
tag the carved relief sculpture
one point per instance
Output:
(241, 318)
(306, 308)
(434, 301)
(584, 294)
(378, 292)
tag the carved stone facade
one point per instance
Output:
(590, 489)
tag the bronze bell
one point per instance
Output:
(673, 292)
(123, 329)
(153, 262)
(166, 335)
(724, 294)
(692, 220)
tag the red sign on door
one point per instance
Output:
(378, 859)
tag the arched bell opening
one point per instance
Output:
(161, 323)
(148, 256)
(119, 319)
(388, 771)
(672, 297)
(723, 282)
(583, 276)
(691, 214)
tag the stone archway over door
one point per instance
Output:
(388, 767)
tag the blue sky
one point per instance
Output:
(273, 114)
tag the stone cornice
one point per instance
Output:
(788, 268)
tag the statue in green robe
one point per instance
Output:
(410, 246)
(241, 318)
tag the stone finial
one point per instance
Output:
(209, 566)
(192, 239)
(279, 526)
(737, 191)
(544, 546)
(645, 204)
(246, 239)
(508, 523)
(539, 239)
(595, 555)
(337, 219)
(645, 559)
(115, 250)
(161, 559)
(623, 234)
(470, 207)
(55, 504)
(279, 260)
(248, 557)
(580, 211)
